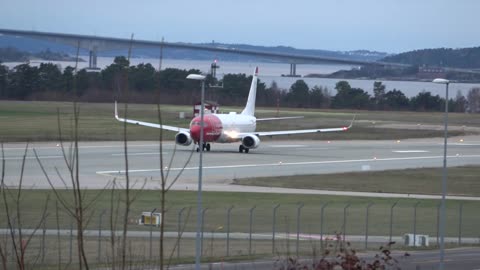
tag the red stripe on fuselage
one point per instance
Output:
(212, 128)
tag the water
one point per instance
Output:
(269, 72)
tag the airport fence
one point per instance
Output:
(252, 231)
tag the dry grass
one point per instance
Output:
(462, 181)
(37, 121)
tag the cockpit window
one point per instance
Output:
(197, 123)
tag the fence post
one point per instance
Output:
(44, 231)
(460, 224)
(366, 224)
(151, 232)
(415, 223)
(344, 227)
(179, 229)
(99, 248)
(391, 221)
(250, 233)
(438, 222)
(14, 228)
(321, 223)
(274, 226)
(201, 238)
(71, 243)
(228, 229)
(300, 206)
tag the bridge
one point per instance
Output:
(94, 44)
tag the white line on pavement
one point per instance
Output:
(291, 164)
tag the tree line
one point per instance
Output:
(145, 85)
(442, 57)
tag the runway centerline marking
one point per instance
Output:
(287, 164)
(410, 151)
(67, 145)
(138, 154)
(465, 144)
(28, 158)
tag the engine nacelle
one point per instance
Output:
(250, 141)
(183, 138)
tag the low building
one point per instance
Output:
(431, 72)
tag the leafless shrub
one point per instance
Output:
(18, 239)
(339, 254)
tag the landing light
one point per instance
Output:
(232, 134)
(345, 128)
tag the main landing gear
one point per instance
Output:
(206, 146)
(242, 149)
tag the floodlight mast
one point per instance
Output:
(198, 239)
(444, 177)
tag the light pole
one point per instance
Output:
(444, 177)
(200, 166)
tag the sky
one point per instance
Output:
(391, 26)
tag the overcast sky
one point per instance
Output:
(383, 25)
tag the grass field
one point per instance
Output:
(217, 204)
(37, 121)
(461, 181)
(462, 220)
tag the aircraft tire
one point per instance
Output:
(208, 147)
(241, 148)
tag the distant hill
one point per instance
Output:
(442, 57)
(10, 54)
(36, 46)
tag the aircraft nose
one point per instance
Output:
(195, 132)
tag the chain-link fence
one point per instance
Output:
(249, 230)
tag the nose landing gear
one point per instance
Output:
(206, 146)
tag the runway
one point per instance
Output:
(101, 162)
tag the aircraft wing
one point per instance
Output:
(301, 131)
(279, 118)
(147, 124)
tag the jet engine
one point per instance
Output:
(250, 141)
(183, 138)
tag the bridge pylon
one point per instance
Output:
(293, 70)
(92, 59)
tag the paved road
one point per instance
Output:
(155, 234)
(101, 162)
(461, 258)
(458, 258)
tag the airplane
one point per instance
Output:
(229, 128)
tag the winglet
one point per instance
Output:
(256, 71)
(351, 124)
(353, 120)
(116, 111)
